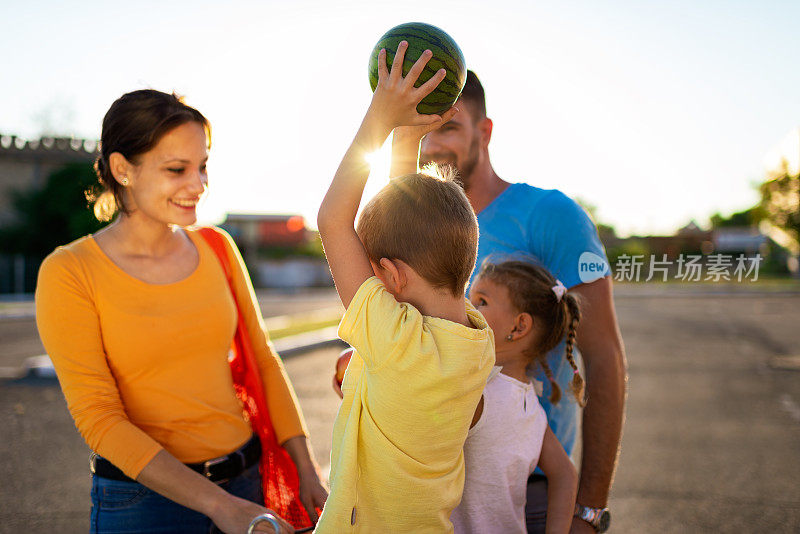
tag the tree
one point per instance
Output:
(606, 232)
(51, 216)
(780, 202)
(748, 217)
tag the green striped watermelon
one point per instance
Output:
(446, 54)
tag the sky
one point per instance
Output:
(656, 113)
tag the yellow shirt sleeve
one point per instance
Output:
(70, 331)
(377, 326)
(284, 408)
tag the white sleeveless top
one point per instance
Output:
(501, 451)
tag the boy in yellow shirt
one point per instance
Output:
(422, 351)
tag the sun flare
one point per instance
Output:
(380, 161)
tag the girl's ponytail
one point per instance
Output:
(578, 385)
(555, 389)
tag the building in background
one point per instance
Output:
(279, 250)
(26, 164)
(25, 167)
(726, 238)
(253, 231)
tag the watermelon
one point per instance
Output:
(446, 54)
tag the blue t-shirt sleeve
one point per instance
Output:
(563, 236)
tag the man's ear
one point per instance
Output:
(485, 126)
(523, 325)
(395, 274)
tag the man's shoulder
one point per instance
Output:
(549, 207)
(549, 200)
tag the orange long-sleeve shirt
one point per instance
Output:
(144, 366)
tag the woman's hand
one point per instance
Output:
(164, 474)
(312, 493)
(395, 100)
(233, 515)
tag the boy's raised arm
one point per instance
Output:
(393, 104)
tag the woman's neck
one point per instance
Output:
(139, 237)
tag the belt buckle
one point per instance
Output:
(92, 461)
(211, 463)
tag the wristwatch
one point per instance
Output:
(599, 518)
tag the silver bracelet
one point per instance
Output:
(268, 517)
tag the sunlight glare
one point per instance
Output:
(380, 163)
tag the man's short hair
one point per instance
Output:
(426, 221)
(474, 95)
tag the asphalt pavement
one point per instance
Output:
(711, 444)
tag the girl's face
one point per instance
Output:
(167, 183)
(494, 303)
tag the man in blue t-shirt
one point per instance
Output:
(551, 227)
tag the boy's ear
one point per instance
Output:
(395, 274)
(523, 325)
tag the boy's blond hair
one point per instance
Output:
(426, 221)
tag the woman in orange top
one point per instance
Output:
(138, 320)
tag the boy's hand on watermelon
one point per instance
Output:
(395, 100)
(405, 144)
(416, 133)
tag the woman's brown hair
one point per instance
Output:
(133, 125)
(530, 287)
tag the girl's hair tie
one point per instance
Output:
(559, 290)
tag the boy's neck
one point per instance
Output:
(447, 307)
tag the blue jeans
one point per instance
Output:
(128, 507)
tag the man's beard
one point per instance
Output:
(449, 159)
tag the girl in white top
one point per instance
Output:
(530, 312)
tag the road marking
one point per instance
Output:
(12, 373)
(785, 363)
(284, 321)
(35, 366)
(790, 407)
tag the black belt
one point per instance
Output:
(217, 469)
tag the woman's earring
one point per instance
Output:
(124, 181)
(509, 337)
